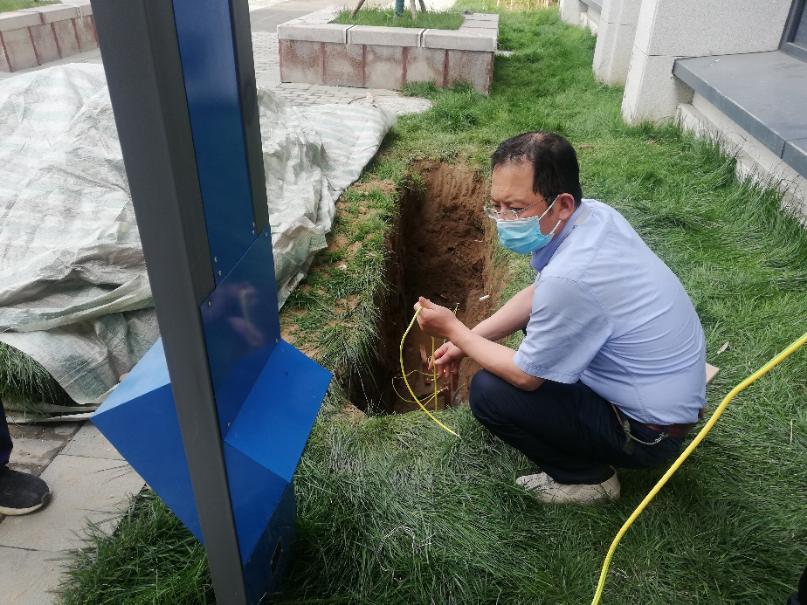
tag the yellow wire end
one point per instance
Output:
(406, 380)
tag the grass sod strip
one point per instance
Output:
(22, 380)
(12, 5)
(387, 17)
(393, 510)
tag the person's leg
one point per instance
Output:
(20, 493)
(571, 432)
(565, 429)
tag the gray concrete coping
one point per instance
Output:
(384, 36)
(470, 39)
(595, 4)
(795, 154)
(18, 20)
(56, 12)
(764, 93)
(480, 24)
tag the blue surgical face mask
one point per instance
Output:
(524, 236)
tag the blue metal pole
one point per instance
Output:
(217, 413)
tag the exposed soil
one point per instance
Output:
(441, 249)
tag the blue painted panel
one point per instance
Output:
(206, 47)
(275, 421)
(255, 492)
(241, 326)
(262, 448)
(264, 570)
(139, 419)
(264, 444)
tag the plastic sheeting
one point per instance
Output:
(74, 294)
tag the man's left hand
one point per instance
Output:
(436, 320)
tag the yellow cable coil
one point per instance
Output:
(406, 380)
(685, 454)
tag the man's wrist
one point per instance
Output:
(458, 332)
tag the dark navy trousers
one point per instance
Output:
(568, 430)
(5, 438)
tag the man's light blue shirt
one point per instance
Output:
(608, 312)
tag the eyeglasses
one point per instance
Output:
(506, 214)
(509, 214)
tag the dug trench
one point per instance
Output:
(442, 248)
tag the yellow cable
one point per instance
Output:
(405, 400)
(434, 376)
(406, 381)
(685, 454)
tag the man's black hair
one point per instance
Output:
(553, 159)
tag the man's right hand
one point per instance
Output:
(447, 359)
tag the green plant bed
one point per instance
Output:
(12, 5)
(377, 16)
(393, 510)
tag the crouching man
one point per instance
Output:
(611, 371)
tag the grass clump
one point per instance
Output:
(387, 17)
(13, 5)
(393, 510)
(136, 568)
(24, 380)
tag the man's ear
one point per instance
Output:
(566, 206)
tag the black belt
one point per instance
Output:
(678, 431)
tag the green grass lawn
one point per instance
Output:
(393, 510)
(378, 16)
(12, 5)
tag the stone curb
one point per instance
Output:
(57, 12)
(478, 32)
(35, 36)
(466, 39)
(18, 20)
(384, 36)
(314, 51)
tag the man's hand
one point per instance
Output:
(447, 359)
(436, 320)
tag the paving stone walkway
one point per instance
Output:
(90, 481)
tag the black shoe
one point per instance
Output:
(21, 493)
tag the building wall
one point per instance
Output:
(617, 30)
(669, 29)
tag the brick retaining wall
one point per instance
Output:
(314, 51)
(34, 36)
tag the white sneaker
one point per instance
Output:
(549, 491)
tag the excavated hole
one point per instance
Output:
(442, 249)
